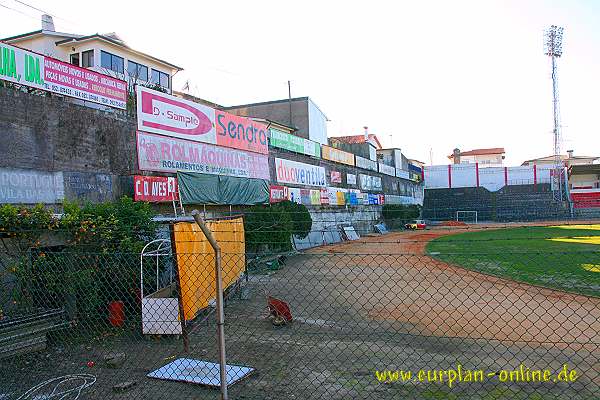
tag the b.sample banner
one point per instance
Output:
(160, 153)
(155, 188)
(41, 72)
(294, 143)
(299, 173)
(172, 116)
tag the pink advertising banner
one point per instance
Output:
(84, 84)
(165, 154)
(241, 133)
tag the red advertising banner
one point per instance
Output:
(277, 194)
(336, 177)
(155, 188)
(70, 80)
(324, 196)
(241, 133)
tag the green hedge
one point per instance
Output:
(269, 228)
(396, 215)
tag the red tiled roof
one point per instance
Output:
(354, 139)
(481, 152)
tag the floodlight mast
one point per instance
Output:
(553, 48)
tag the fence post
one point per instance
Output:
(220, 316)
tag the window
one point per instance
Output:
(160, 78)
(87, 59)
(137, 71)
(74, 59)
(112, 62)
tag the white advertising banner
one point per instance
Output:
(298, 173)
(30, 186)
(365, 163)
(164, 154)
(368, 182)
(400, 173)
(351, 179)
(387, 170)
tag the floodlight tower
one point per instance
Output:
(553, 49)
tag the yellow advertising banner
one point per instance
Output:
(339, 156)
(315, 197)
(341, 198)
(196, 261)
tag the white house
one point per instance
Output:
(105, 53)
(493, 157)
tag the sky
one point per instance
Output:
(424, 76)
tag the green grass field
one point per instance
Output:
(565, 257)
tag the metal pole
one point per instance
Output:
(220, 312)
(290, 101)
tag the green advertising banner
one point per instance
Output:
(294, 143)
(197, 188)
(21, 66)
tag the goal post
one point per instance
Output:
(466, 216)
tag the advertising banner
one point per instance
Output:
(366, 163)
(387, 170)
(294, 195)
(332, 196)
(277, 194)
(368, 182)
(30, 186)
(339, 156)
(305, 196)
(294, 143)
(89, 186)
(400, 173)
(155, 189)
(324, 196)
(161, 113)
(46, 73)
(315, 197)
(336, 177)
(164, 154)
(70, 80)
(351, 179)
(241, 133)
(223, 190)
(298, 173)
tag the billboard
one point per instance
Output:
(277, 194)
(294, 143)
(351, 179)
(368, 182)
(155, 188)
(31, 186)
(241, 133)
(339, 156)
(336, 176)
(366, 163)
(167, 115)
(387, 170)
(46, 73)
(298, 173)
(400, 173)
(165, 154)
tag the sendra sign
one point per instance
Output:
(38, 71)
(160, 153)
(333, 154)
(299, 173)
(172, 116)
(294, 143)
(366, 163)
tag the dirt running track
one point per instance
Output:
(450, 300)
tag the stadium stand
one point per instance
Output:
(510, 203)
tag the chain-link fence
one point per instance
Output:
(447, 312)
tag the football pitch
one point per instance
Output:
(565, 257)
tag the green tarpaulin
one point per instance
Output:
(216, 189)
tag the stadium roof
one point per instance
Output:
(584, 169)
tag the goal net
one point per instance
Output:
(467, 216)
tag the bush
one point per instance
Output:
(270, 228)
(396, 215)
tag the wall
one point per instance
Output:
(492, 178)
(94, 150)
(317, 124)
